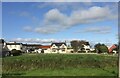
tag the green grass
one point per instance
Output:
(61, 65)
(70, 72)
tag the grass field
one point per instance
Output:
(61, 65)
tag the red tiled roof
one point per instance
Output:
(111, 48)
(45, 46)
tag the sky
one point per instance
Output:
(60, 0)
(60, 21)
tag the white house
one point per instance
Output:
(31, 48)
(14, 45)
(38, 50)
(60, 47)
(86, 48)
(70, 50)
(45, 49)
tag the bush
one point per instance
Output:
(93, 51)
(15, 52)
(71, 51)
(101, 48)
(81, 51)
(4, 52)
(42, 51)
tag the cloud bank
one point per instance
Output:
(49, 41)
(55, 21)
(96, 29)
(38, 40)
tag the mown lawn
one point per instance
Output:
(61, 65)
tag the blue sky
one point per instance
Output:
(46, 21)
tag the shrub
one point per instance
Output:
(101, 48)
(42, 51)
(81, 51)
(71, 51)
(15, 52)
(5, 52)
(93, 51)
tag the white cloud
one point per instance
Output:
(100, 30)
(55, 21)
(38, 40)
(28, 28)
(54, 16)
(47, 30)
(62, 6)
(48, 41)
(93, 14)
(27, 14)
(108, 43)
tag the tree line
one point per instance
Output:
(78, 45)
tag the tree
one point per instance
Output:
(15, 52)
(78, 45)
(82, 43)
(104, 48)
(101, 48)
(75, 45)
(97, 47)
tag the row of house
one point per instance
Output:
(55, 47)
(60, 47)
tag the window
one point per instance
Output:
(87, 49)
(21, 48)
(54, 50)
(63, 49)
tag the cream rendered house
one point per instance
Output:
(58, 47)
(70, 50)
(54, 48)
(86, 48)
(45, 49)
(14, 45)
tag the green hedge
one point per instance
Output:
(16, 52)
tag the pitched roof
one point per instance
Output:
(45, 46)
(112, 47)
(32, 45)
(58, 44)
(13, 43)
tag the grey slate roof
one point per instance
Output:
(58, 44)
